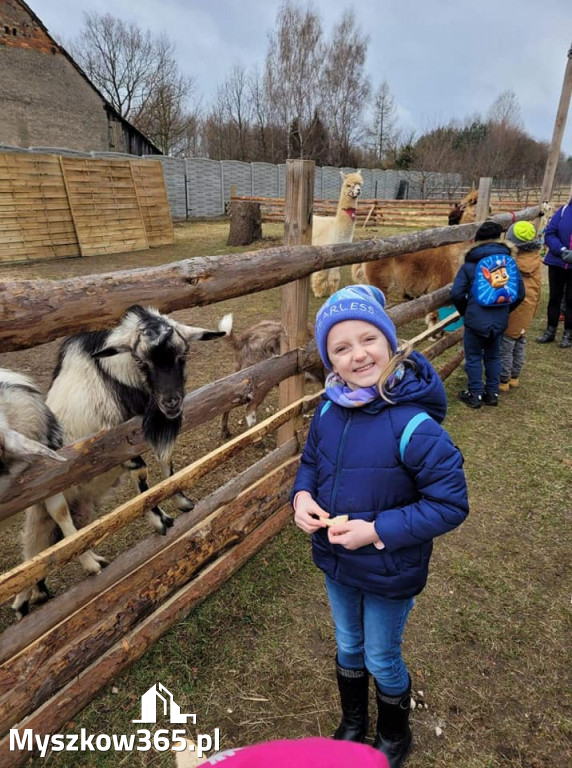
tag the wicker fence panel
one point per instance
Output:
(153, 202)
(104, 205)
(35, 216)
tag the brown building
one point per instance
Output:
(46, 100)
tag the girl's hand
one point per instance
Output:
(354, 534)
(307, 514)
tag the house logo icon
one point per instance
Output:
(159, 697)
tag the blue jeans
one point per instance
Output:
(369, 630)
(479, 350)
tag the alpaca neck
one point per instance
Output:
(346, 213)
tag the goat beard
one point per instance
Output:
(159, 431)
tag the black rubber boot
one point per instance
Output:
(393, 738)
(353, 686)
(548, 335)
(566, 340)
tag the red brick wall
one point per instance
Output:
(19, 29)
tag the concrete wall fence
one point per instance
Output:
(200, 188)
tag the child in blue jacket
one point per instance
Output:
(377, 455)
(484, 326)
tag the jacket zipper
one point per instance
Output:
(338, 462)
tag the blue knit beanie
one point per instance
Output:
(354, 302)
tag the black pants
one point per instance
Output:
(560, 285)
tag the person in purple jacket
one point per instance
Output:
(377, 456)
(558, 240)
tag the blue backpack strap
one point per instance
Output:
(410, 428)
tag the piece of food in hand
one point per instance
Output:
(336, 520)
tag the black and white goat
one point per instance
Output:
(29, 429)
(103, 378)
(135, 369)
(255, 344)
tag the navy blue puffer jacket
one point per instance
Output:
(392, 464)
(484, 321)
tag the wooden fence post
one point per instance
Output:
(299, 200)
(484, 198)
(558, 132)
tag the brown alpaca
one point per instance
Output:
(465, 212)
(412, 274)
(329, 230)
(255, 344)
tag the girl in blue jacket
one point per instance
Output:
(377, 454)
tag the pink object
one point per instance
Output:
(302, 753)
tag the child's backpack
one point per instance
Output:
(496, 280)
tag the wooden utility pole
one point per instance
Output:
(299, 204)
(559, 125)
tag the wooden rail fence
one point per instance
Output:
(390, 213)
(57, 659)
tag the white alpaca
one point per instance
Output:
(330, 230)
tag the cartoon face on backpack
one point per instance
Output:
(496, 280)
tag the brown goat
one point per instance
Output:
(254, 345)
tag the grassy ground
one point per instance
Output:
(488, 641)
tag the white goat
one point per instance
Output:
(255, 344)
(330, 230)
(103, 378)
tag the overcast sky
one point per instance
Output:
(442, 59)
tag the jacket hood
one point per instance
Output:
(419, 385)
(476, 251)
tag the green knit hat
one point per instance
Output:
(521, 233)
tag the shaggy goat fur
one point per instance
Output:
(255, 344)
(28, 428)
(330, 230)
(103, 378)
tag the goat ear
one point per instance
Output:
(111, 351)
(343, 175)
(190, 333)
(15, 444)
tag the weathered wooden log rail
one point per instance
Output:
(36, 311)
(59, 657)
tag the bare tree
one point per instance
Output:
(166, 120)
(267, 137)
(234, 99)
(383, 131)
(346, 87)
(139, 75)
(505, 110)
(294, 68)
